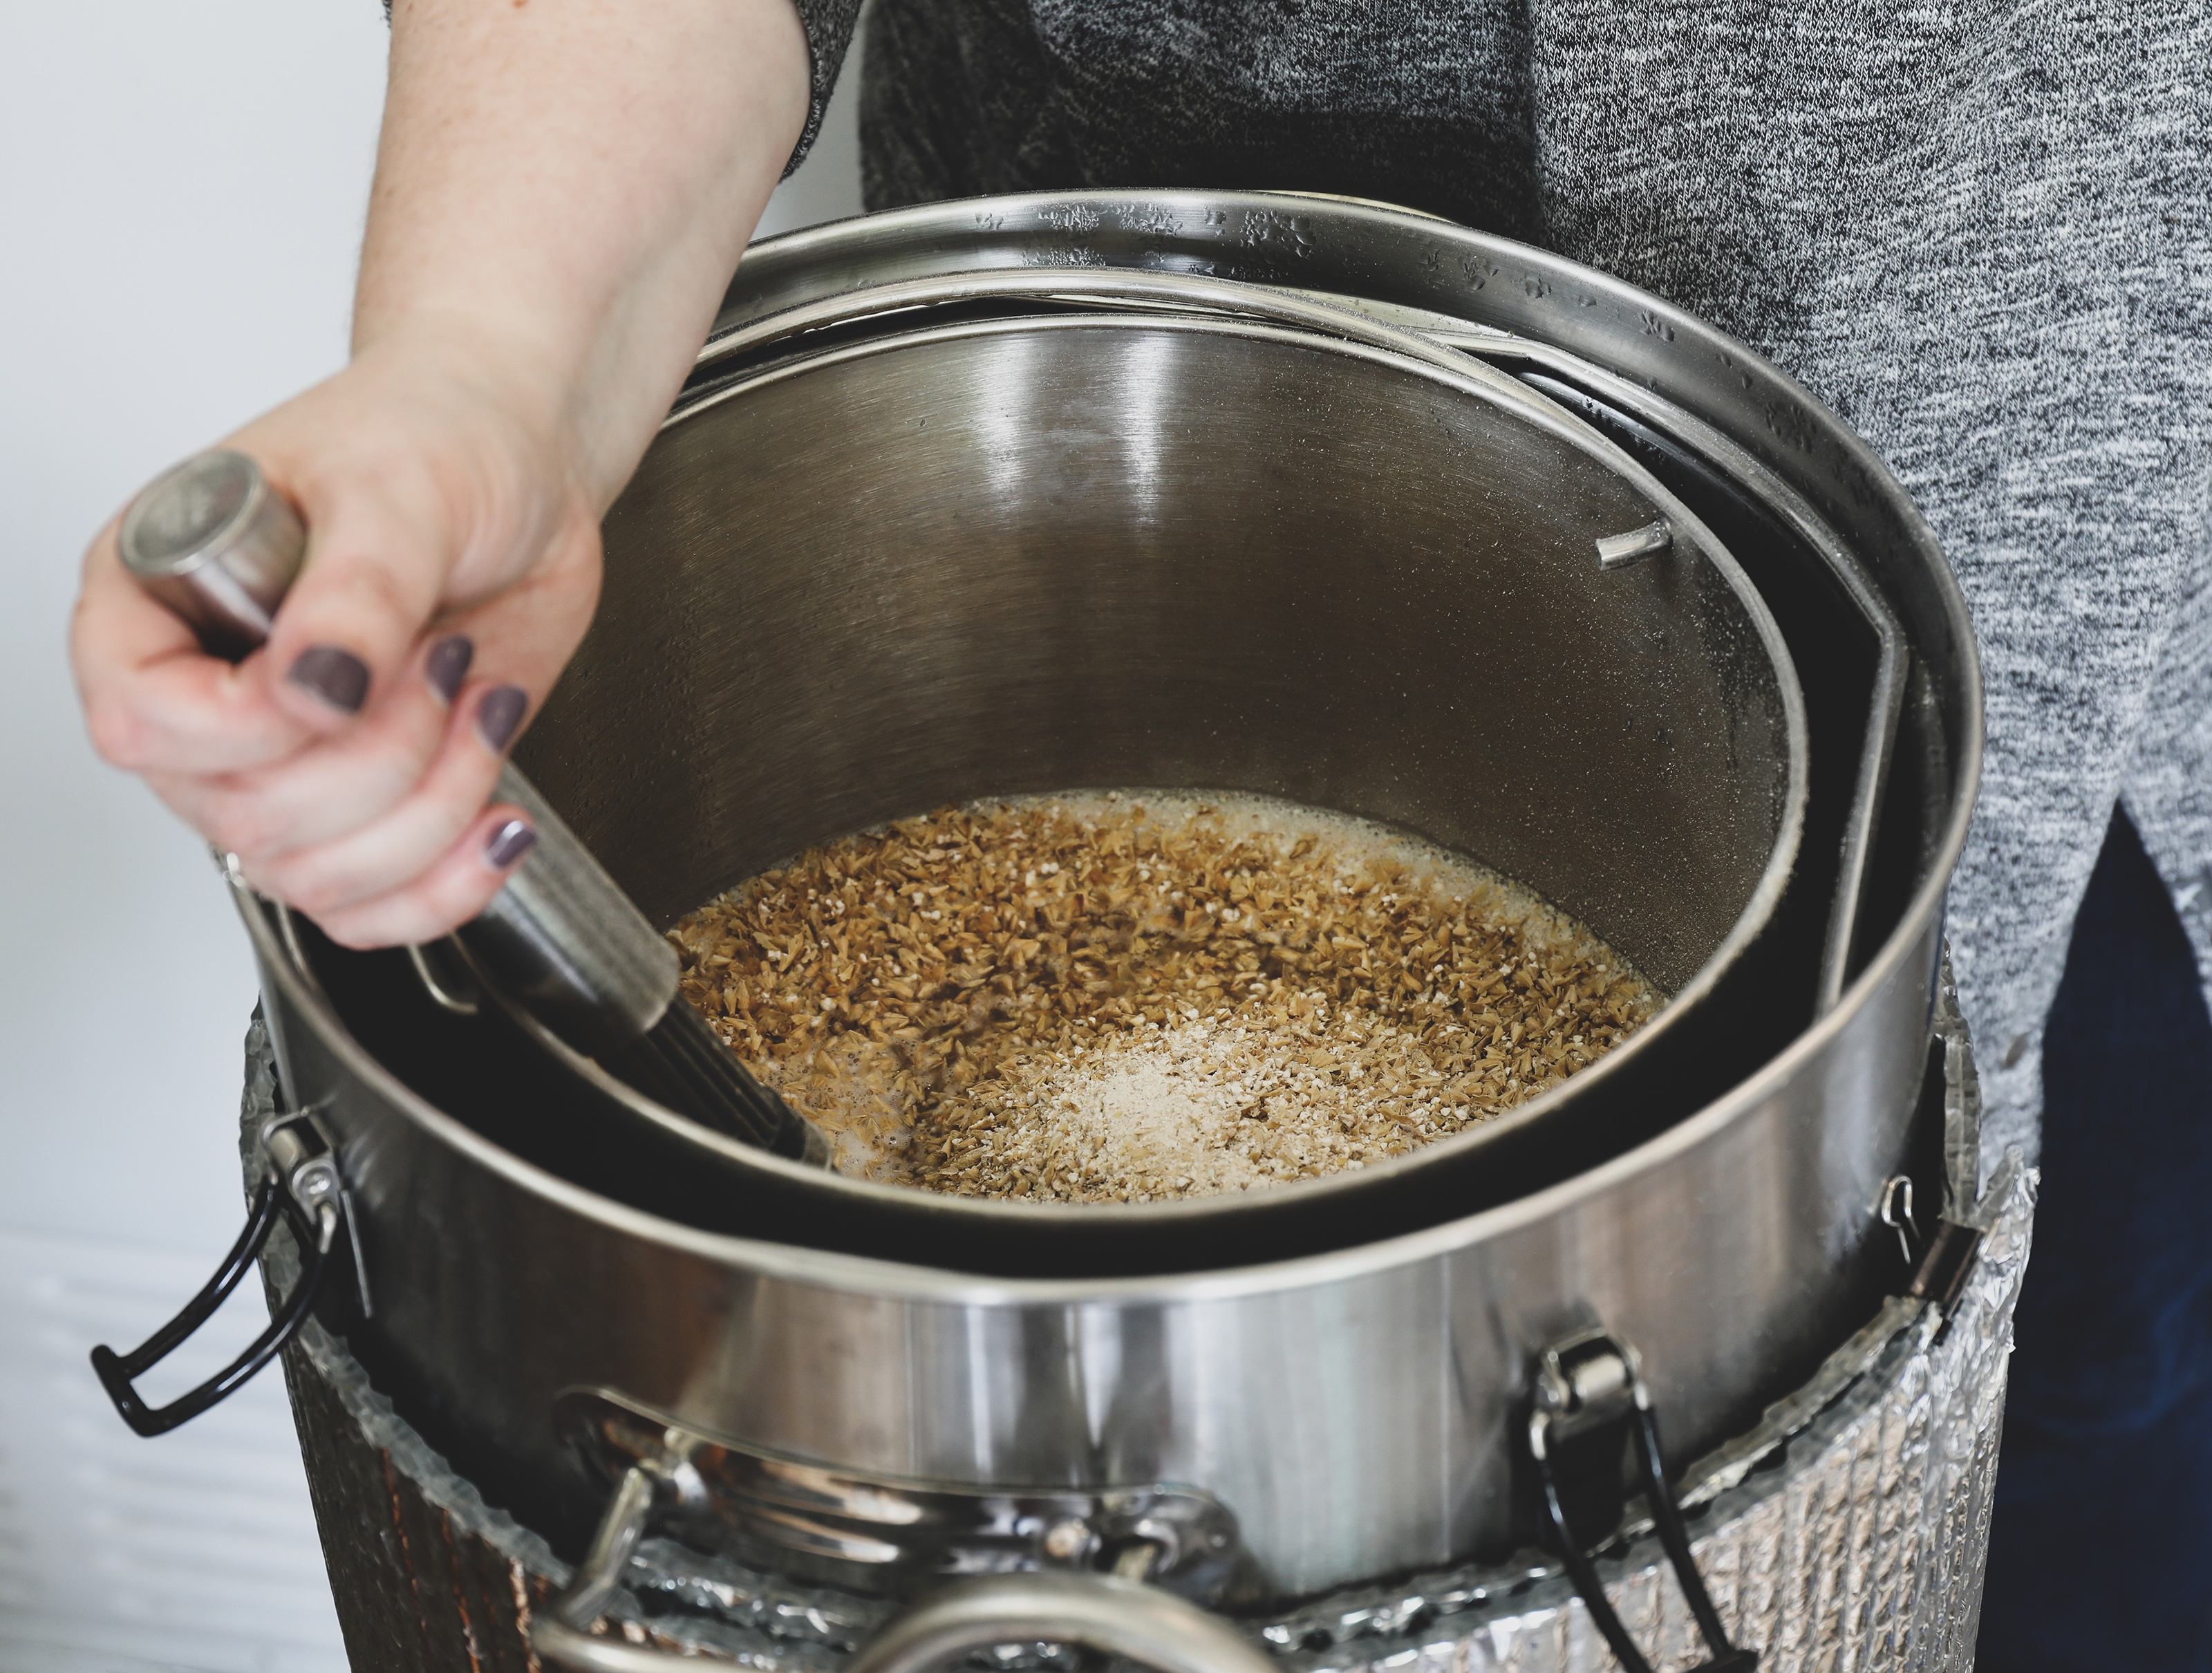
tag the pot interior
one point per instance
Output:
(1033, 555)
(1045, 554)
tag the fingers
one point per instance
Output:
(454, 890)
(361, 829)
(383, 539)
(381, 544)
(342, 783)
(398, 867)
(365, 859)
(452, 567)
(356, 812)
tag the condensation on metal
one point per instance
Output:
(1847, 1534)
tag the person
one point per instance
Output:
(1982, 232)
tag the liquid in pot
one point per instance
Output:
(1123, 998)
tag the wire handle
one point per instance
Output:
(118, 1372)
(1115, 1615)
(1585, 1385)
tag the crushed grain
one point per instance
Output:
(1100, 1000)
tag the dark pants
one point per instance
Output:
(2100, 1549)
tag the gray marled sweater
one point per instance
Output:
(1979, 229)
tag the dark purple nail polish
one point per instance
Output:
(508, 844)
(339, 677)
(500, 713)
(447, 664)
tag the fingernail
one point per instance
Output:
(500, 713)
(339, 677)
(508, 844)
(447, 664)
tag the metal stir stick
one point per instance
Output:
(215, 544)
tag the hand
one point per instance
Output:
(561, 193)
(453, 565)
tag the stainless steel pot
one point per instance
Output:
(1299, 553)
(1350, 1408)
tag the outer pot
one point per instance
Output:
(1351, 1408)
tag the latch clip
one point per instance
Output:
(300, 1182)
(1588, 1389)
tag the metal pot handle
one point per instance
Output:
(1119, 1615)
(561, 1635)
(1588, 1389)
(1100, 1612)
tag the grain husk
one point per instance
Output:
(1112, 999)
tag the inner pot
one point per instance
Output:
(1019, 554)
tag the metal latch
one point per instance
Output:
(1590, 1398)
(300, 1182)
(1943, 1270)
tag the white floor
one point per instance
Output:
(181, 189)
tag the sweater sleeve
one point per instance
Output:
(828, 24)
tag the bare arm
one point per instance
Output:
(562, 189)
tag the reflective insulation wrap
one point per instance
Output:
(1847, 1532)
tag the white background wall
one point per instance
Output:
(181, 190)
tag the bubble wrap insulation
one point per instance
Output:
(1845, 1534)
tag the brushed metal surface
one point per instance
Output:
(208, 539)
(897, 287)
(1350, 1406)
(1380, 254)
(1845, 1530)
(1029, 556)
(1018, 555)
(1351, 1409)
(565, 941)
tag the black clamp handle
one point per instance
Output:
(300, 1184)
(1589, 1391)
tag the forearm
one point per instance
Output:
(562, 189)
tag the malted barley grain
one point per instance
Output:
(1095, 998)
